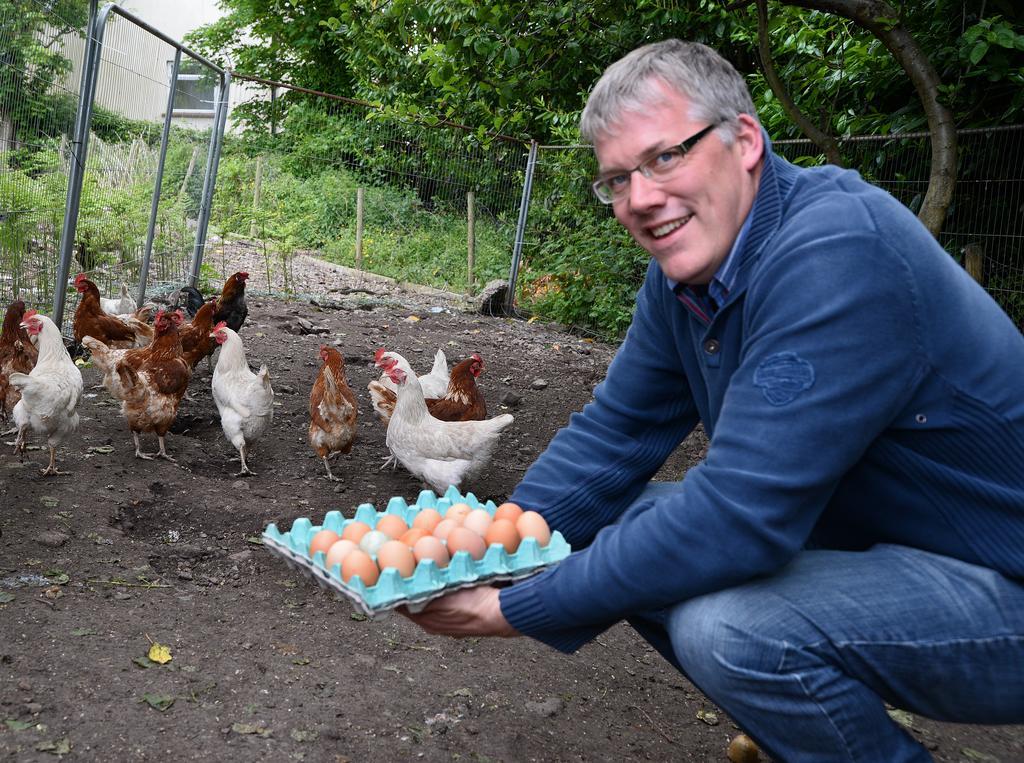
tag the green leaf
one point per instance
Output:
(251, 728)
(978, 51)
(161, 702)
(511, 56)
(16, 725)
(83, 632)
(6, 598)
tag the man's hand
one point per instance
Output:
(469, 612)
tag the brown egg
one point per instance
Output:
(458, 512)
(444, 527)
(354, 531)
(413, 534)
(503, 531)
(322, 541)
(478, 520)
(396, 554)
(508, 511)
(427, 519)
(464, 539)
(532, 525)
(429, 547)
(391, 526)
(743, 750)
(358, 562)
(338, 551)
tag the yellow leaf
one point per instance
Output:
(413, 318)
(532, 319)
(159, 653)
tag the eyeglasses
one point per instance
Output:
(658, 168)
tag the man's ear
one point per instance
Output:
(749, 140)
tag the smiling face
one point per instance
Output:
(689, 220)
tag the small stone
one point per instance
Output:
(510, 399)
(539, 384)
(52, 538)
(546, 709)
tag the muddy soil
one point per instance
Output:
(98, 566)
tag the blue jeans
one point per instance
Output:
(804, 660)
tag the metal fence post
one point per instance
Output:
(524, 207)
(209, 182)
(155, 205)
(79, 150)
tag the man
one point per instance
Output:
(855, 535)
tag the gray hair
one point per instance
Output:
(715, 90)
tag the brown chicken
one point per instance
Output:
(17, 355)
(90, 320)
(149, 381)
(332, 409)
(462, 401)
(231, 307)
(196, 341)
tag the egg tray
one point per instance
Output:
(428, 581)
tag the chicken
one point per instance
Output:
(189, 298)
(462, 401)
(196, 340)
(441, 453)
(149, 381)
(139, 322)
(120, 306)
(332, 409)
(91, 320)
(17, 355)
(245, 400)
(50, 393)
(231, 307)
(433, 384)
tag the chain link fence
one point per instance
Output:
(421, 201)
(114, 175)
(984, 227)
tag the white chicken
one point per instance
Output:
(441, 453)
(245, 400)
(433, 384)
(121, 305)
(50, 393)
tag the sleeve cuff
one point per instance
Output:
(523, 608)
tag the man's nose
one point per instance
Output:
(644, 193)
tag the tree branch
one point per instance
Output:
(879, 18)
(821, 139)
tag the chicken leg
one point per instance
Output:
(245, 468)
(52, 468)
(330, 476)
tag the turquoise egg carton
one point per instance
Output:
(428, 581)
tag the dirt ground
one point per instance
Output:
(98, 566)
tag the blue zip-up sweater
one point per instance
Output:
(857, 388)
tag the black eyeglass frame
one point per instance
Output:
(604, 193)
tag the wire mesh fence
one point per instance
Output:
(984, 227)
(111, 182)
(41, 55)
(422, 202)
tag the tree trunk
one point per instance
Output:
(880, 19)
(821, 139)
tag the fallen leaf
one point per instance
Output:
(250, 728)
(56, 747)
(6, 598)
(83, 632)
(256, 540)
(143, 662)
(710, 718)
(300, 661)
(100, 449)
(901, 717)
(413, 318)
(16, 725)
(358, 616)
(49, 500)
(161, 702)
(159, 653)
(982, 757)
(302, 735)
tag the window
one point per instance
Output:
(197, 90)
